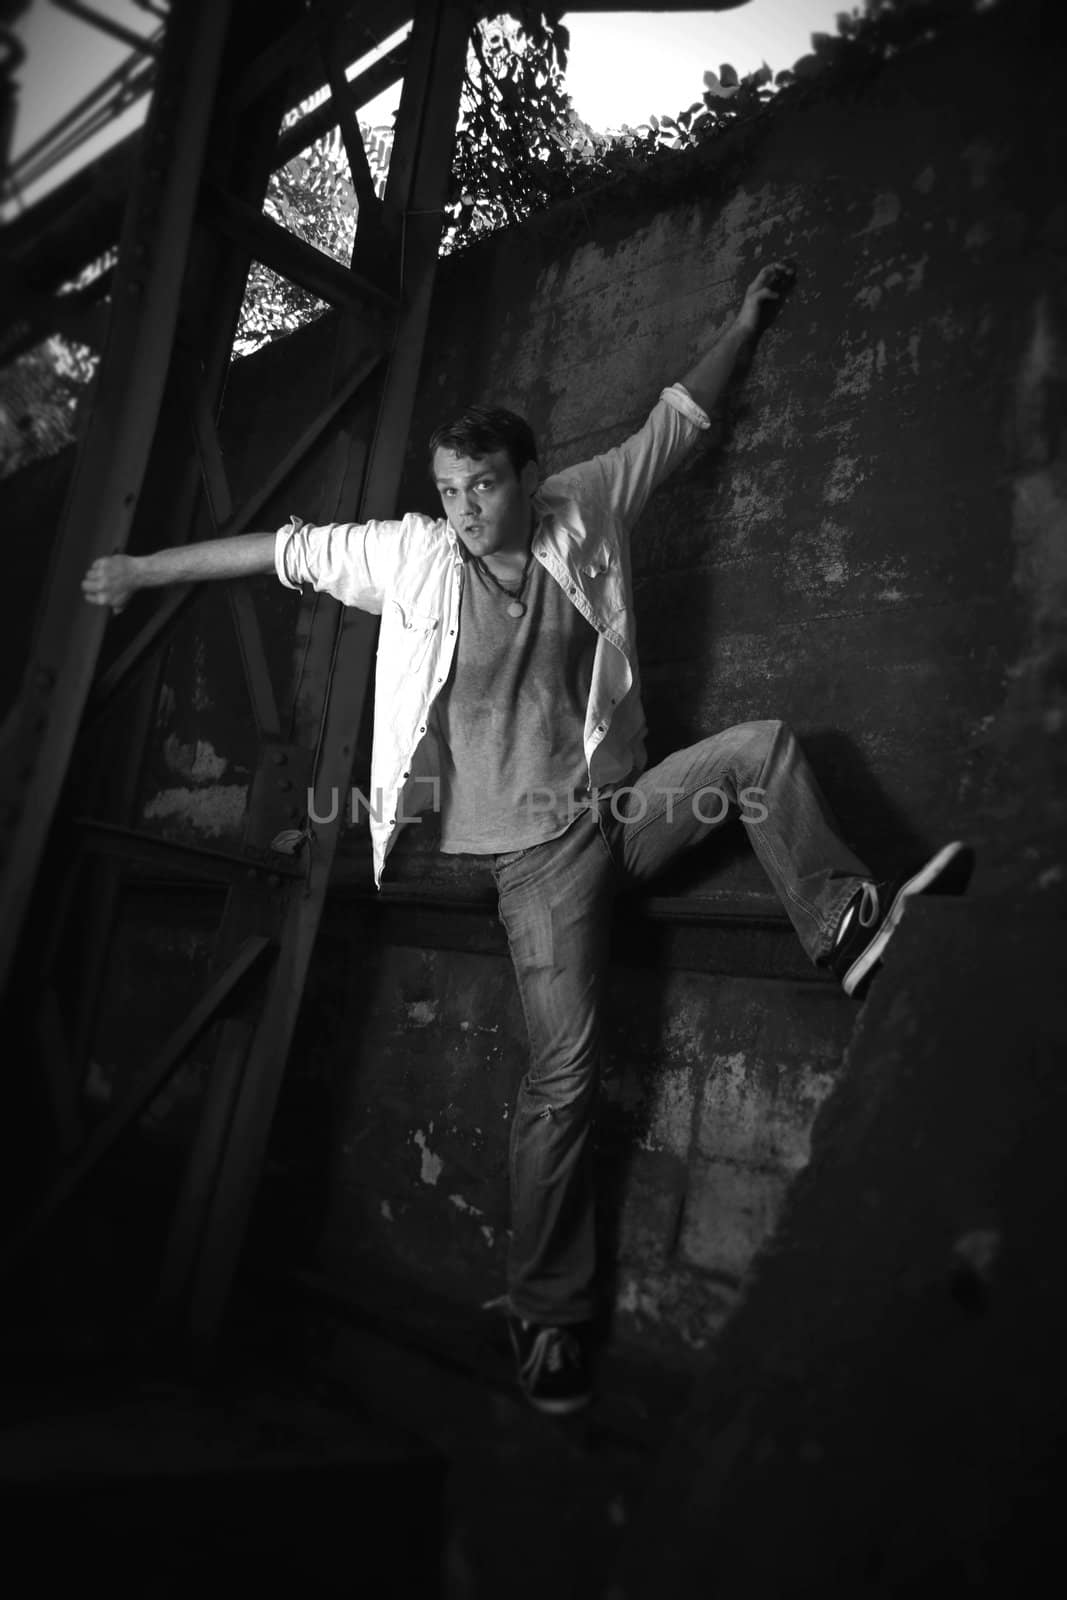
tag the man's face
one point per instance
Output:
(486, 503)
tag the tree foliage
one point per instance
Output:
(312, 196)
(520, 144)
(39, 397)
(516, 127)
(520, 148)
(43, 390)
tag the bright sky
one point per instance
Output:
(624, 66)
(65, 59)
(628, 66)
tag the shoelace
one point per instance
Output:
(500, 1302)
(550, 1349)
(868, 906)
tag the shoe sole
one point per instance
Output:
(559, 1408)
(953, 862)
(551, 1406)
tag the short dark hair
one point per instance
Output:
(483, 429)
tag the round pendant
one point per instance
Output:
(516, 609)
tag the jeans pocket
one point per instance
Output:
(508, 858)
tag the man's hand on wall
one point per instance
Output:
(766, 288)
(708, 378)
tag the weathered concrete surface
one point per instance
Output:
(873, 550)
(876, 553)
(873, 553)
(887, 1410)
(390, 1153)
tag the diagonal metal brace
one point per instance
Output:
(168, 611)
(253, 957)
(284, 253)
(113, 453)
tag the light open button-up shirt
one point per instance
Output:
(411, 572)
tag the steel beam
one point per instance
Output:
(155, 1078)
(343, 101)
(361, 29)
(60, 1079)
(425, 128)
(242, 606)
(97, 887)
(325, 118)
(87, 117)
(198, 860)
(258, 680)
(30, 317)
(185, 1235)
(206, 440)
(136, 41)
(114, 452)
(294, 259)
(76, 222)
(272, 63)
(12, 55)
(168, 610)
(112, 755)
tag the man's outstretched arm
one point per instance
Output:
(625, 476)
(709, 377)
(113, 580)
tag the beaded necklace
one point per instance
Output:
(517, 607)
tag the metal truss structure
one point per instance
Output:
(224, 76)
(180, 207)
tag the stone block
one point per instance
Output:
(759, 1111)
(729, 1212)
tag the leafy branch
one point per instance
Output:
(520, 148)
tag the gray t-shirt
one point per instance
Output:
(510, 719)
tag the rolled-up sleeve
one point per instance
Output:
(627, 474)
(353, 561)
(678, 396)
(283, 548)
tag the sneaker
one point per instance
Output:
(553, 1365)
(878, 908)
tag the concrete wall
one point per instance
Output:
(875, 553)
(873, 550)
(390, 1149)
(890, 1398)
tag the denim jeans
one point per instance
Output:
(555, 903)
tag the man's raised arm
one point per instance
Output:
(708, 379)
(627, 474)
(112, 580)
